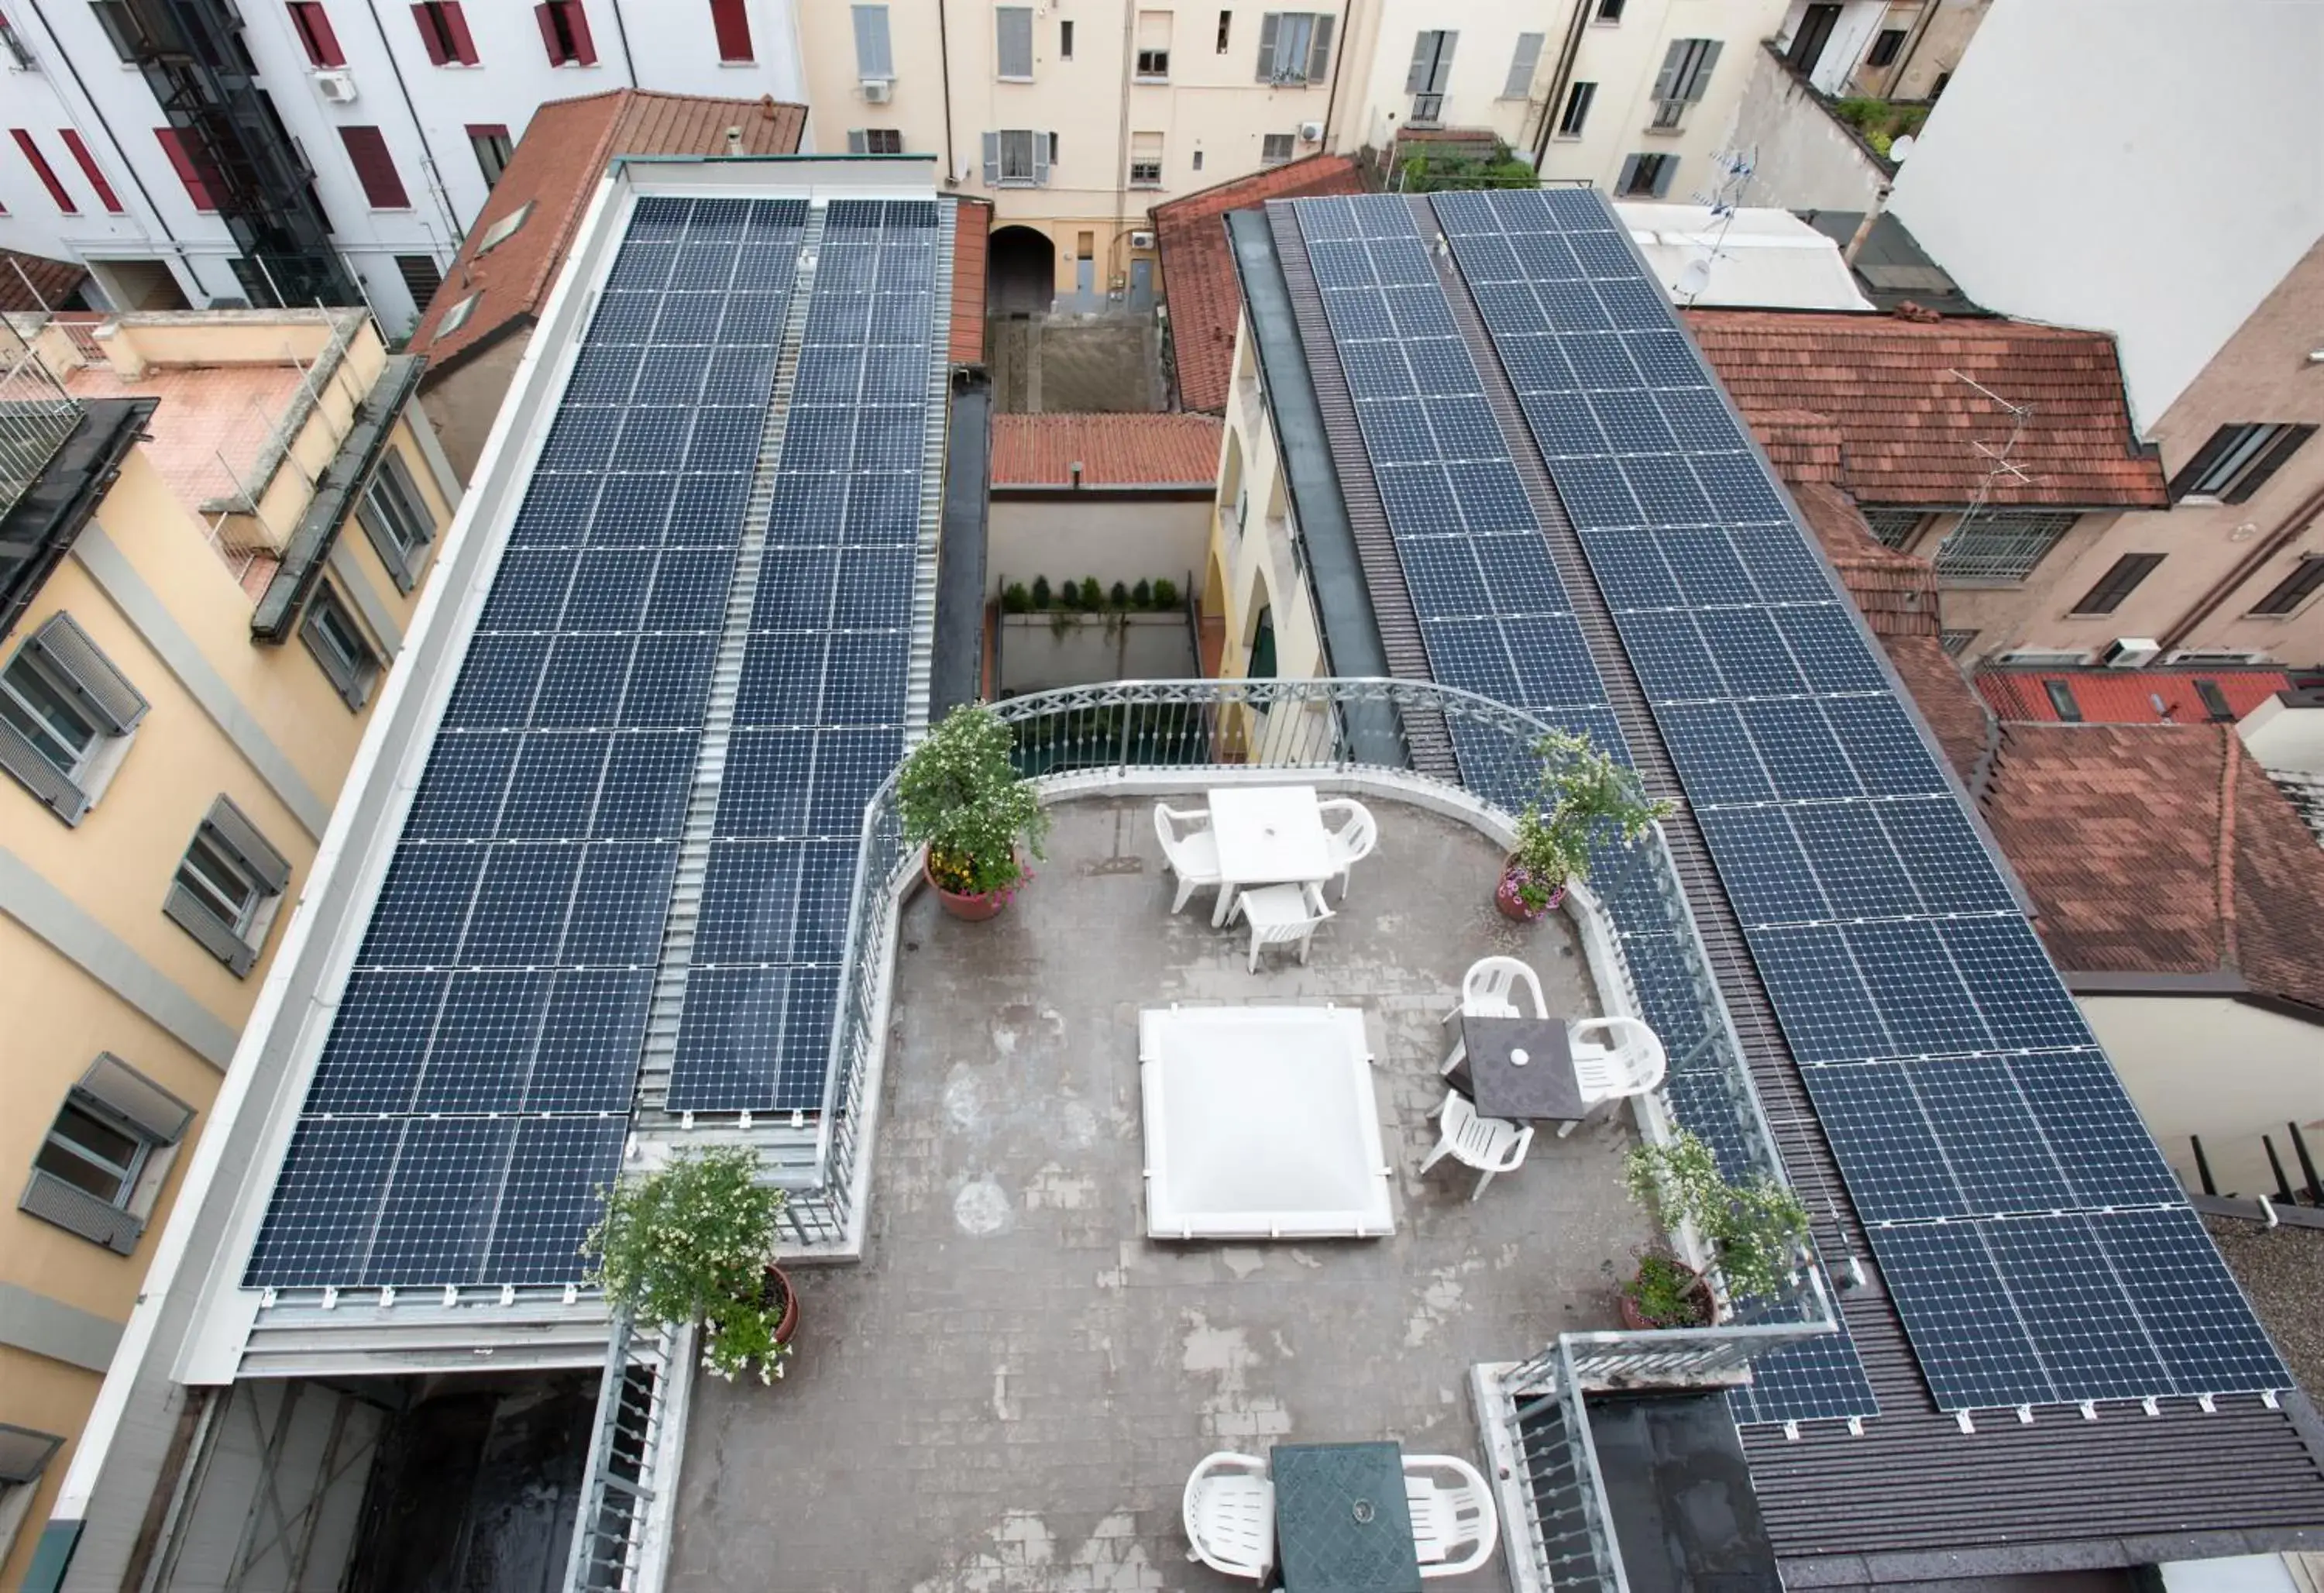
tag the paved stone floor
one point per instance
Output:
(1006, 1394)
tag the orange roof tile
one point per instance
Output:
(1198, 277)
(565, 150)
(1908, 427)
(1112, 450)
(2128, 697)
(970, 247)
(30, 283)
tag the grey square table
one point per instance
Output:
(1541, 1086)
(1340, 1522)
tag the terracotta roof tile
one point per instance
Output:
(2128, 697)
(1114, 451)
(971, 248)
(1198, 277)
(1908, 428)
(30, 283)
(565, 150)
(2161, 849)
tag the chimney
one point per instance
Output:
(734, 141)
(1075, 469)
(1864, 227)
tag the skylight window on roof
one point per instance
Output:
(500, 231)
(457, 316)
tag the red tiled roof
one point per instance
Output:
(565, 150)
(51, 281)
(2128, 697)
(1198, 277)
(2161, 849)
(1908, 428)
(971, 248)
(1112, 450)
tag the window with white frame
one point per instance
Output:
(394, 516)
(340, 646)
(1576, 115)
(1294, 48)
(65, 717)
(100, 1166)
(1276, 149)
(875, 62)
(1152, 64)
(1019, 157)
(2000, 547)
(228, 885)
(1146, 160)
(875, 141)
(2238, 460)
(1012, 28)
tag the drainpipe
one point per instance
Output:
(1122, 153)
(943, 66)
(1339, 55)
(2226, 587)
(427, 150)
(1560, 80)
(1863, 232)
(621, 32)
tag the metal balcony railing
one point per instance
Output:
(36, 416)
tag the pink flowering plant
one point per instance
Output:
(1582, 794)
(691, 1242)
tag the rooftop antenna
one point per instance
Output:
(1999, 466)
(1723, 199)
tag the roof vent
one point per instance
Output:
(733, 141)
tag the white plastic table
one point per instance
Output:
(1268, 835)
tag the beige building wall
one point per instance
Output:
(89, 964)
(1252, 570)
(1934, 53)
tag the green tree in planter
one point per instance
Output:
(1582, 796)
(1755, 1228)
(691, 1242)
(959, 794)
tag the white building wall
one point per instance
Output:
(2166, 229)
(1859, 22)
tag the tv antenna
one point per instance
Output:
(1724, 199)
(2000, 468)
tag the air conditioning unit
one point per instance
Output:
(339, 88)
(876, 90)
(1311, 131)
(2130, 653)
(1142, 240)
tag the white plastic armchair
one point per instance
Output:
(1190, 849)
(1229, 1514)
(1281, 914)
(1350, 840)
(1628, 1060)
(1489, 1145)
(1492, 988)
(1450, 1519)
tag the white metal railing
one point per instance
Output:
(36, 416)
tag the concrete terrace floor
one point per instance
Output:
(1006, 1394)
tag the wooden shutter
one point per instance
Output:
(873, 58)
(190, 169)
(241, 837)
(374, 168)
(576, 17)
(463, 44)
(1269, 26)
(1698, 75)
(99, 687)
(1013, 41)
(992, 160)
(1666, 80)
(857, 144)
(1629, 175)
(733, 25)
(92, 170)
(41, 169)
(1043, 143)
(1319, 50)
(1424, 55)
(541, 14)
(1663, 173)
(1522, 66)
(312, 24)
(429, 38)
(2269, 463)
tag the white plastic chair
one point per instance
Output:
(1193, 856)
(1490, 989)
(1349, 842)
(1230, 1514)
(1280, 914)
(1449, 1519)
(1489, 1145)
(1631, 1063)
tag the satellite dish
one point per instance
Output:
(1905, 144)
(1694, 279)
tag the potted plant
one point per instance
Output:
(1755, 1228)
(959, 795)
(694, 1241)
(1665, 1292)
(1582, 796)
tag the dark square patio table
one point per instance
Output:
(1340, 1522)
(1543, 1085)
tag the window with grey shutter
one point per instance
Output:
(1432, 62)
(395, 518)
(873, 59)
(25, 1453)
(1685, 77)
(1013, 42)
(230, 872)
(64, 708)
(1294, 48)
(1269, 26)
(1319, 48)
(2238, 459)
(1017, 157)
(340, 646)
(1522, 65)
(91, 1175)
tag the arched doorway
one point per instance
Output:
(1022, 273)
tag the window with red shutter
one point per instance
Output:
(41, 169)
(374, 168)
(192, 169)
(92, 170)
(732, 23)
(313, 24)
(565, 30)
(444, 30)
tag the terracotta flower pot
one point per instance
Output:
(778, 1283)
(1512, 906)
(973, 907)
(1635, 1319)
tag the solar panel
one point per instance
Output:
(1984, 1142)
(474, 1091)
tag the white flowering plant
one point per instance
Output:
(1582, 796)
(960, 795)
(692, 1242)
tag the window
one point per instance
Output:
(2063, 700)
(15, 50)
(1885, 47)
(1012, 33)
(193, 167)
(312, 24)
(493, 149)
(1261, 666)
(44, 170)
(1522, 64)
(338, 643)
(1578, 100)
(444, 32)
(1226, 27)
(100, 1166)
(2238, 460)
(565, 31)
(1066, 39)
(457, 316)
(420, 277)
(1432, 67)
(1198, 160)
(1154, 65)
(874, 60)
(374, 168)
(228, 886)
(2000, 547)
(1276, 149)
(875, 141)
(1153, 59)
(1645, 177)
(732, 23)
(1294, 48)
(91, 170)
(1683, 79)
(2305, 580)
(2215, 702)
(1896, 527)
(1609, 11)
(66, 715)
(505, 229)
(1019, 158)
(2117, 583)
(394, 516)
(1146, 160)
(25, 1456)
(121, 29)
(1955, 642)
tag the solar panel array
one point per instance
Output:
(476, 1087)
(2034, 1241)
(819, 719)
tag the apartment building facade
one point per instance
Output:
(297, 152)
(218, 526)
